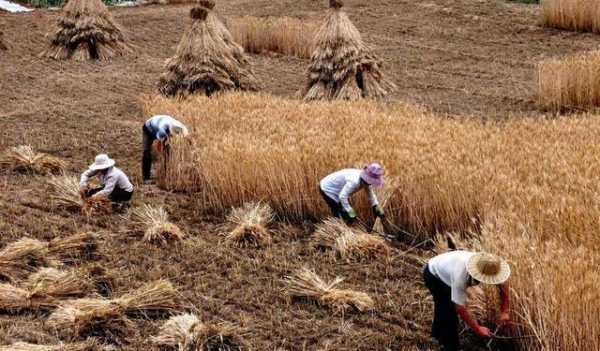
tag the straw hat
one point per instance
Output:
(179, 129)
(101, 162)
(372, 174)
(488, 268)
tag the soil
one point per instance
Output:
(455, 57)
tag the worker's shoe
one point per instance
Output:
(120, 207)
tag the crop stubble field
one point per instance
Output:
(456, 58)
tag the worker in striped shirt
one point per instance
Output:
(337, 188)
(161, 128)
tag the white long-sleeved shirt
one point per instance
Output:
(160, 126)
(114, 178)
(339, 186)
(451, 268)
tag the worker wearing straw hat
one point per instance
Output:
(337, 188)
(159, 127)
(447, 277)
(114, 183)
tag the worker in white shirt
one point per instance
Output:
(337, 188)
(447, 276)
(159, 127)
(114, 183)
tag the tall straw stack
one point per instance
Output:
(85, 31)
(24, 159)
(207, 60)
(249, 225)
(342, 67)
(349, 243)
(575, 15)
(307, 284)
(570, 83)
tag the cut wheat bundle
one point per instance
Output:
(65, 194)
(342, 67)
(154, 221)
(74, 248)
(20, 258)
(349, 243)
(207, 60)
(187, 333)
(23, 346)
(89, 317)
(249, 224)
(85, 31)
(24, 159)
(307, 284)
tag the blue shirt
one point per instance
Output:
(160, 126)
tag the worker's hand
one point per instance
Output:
(504, 318)
(483, 332)
(349, 217)
(378, 211)
(82, 190)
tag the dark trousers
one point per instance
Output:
(147, 140)
(445, 318)
(118, 195)
(336, 208)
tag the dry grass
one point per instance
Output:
(64, 193)
(74, 248)
(186, 332)
(24, 159)
(342, 67)
(19, 259)
(576, 15)
(154, 221)
(536, 175)
(23, 346)
(349, 243)
(85, 31)
(283, 35)
(249, 224)
(307, 284)
(570, 83)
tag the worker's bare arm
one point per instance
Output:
(471, 322)
(504, 291)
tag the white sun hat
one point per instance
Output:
(488, 268)
(179, 129)
(101, 162)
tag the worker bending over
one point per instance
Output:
(114, 183)
(159, 128)
(337, 188)
(447, 277)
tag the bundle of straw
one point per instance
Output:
(250, 225)
(65, 194)
(23, 346)
(156, 225)
(186, 333)
(24, 159)
(96, 205)
(85, 31)
(307, 284)
(342, 66)
(91, 317)
(207, 60)
(74, 248)
(19, 259)
(349, 243)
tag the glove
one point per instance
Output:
(349, 217)
(483, 332)
(378, 211)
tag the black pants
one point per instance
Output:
(118, 195)
(445, 318)
(147, 140)
(336, 208)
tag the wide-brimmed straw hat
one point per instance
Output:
(372, 174)
(177, 129)
(488, 269)
(101, 162)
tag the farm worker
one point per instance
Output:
(337, 188)
(159, 127)
(114, 183)
(447, 276)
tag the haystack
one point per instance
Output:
(154, 221)
(24, 159)
(85, 31)
(109, 318)
(349, 243)
(342, 67)
(207, 60)
(187, 333)
(249, 225)
(306, 284)
(23, 346)
(64, 193)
